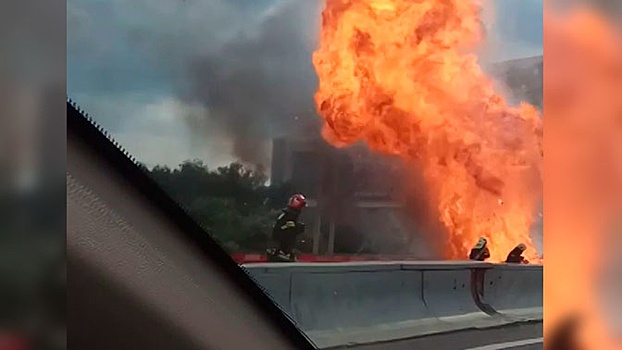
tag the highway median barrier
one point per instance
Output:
(340, 304)
(515, 291)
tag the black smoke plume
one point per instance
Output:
(260, 84)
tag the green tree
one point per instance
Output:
(232, 202)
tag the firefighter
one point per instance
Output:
(516, 255)
(480, 251)
(287, 227)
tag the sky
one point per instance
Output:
(164, 77)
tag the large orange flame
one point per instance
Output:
(398, 75)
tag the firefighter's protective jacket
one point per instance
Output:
(287, 228)
(516, 256)
(479, 254)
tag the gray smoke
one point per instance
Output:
(260, 83)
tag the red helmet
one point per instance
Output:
(297, 201)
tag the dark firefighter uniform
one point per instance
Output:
(516, 255)
(287, 227)
(480, 251)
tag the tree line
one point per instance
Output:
(233, 202)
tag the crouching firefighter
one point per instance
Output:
(287, 229)
(516, 255)
(480, 251)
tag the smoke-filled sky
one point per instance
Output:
(215, 79)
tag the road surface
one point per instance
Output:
(517, 337)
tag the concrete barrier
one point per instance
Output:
(448, 297)
(277, 285)
(515, 291)
(328, 301)
(353, 303)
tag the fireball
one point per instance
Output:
(401, 76)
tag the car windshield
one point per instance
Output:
(371, 164)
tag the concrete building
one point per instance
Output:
(354, 190)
